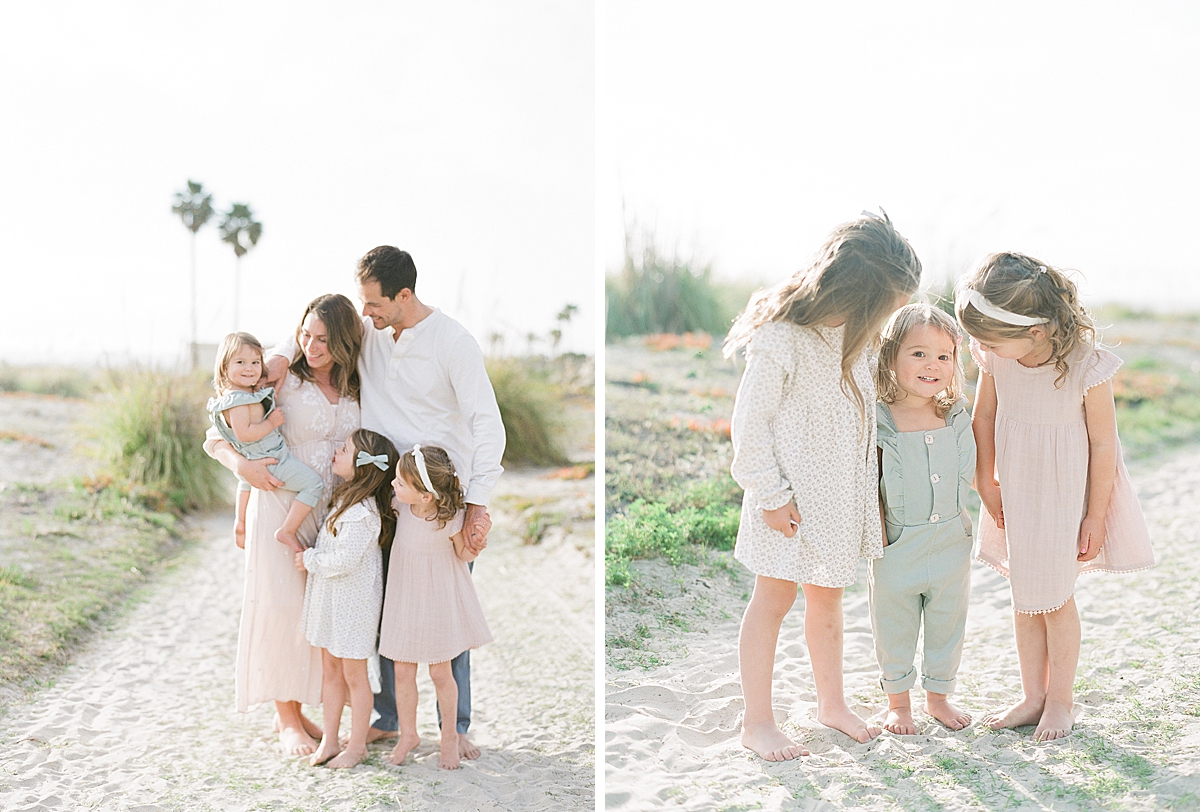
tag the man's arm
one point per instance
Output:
(477, 404)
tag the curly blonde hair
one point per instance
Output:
(898, 326)
(857, 275)
(449, 499)
(1029, 287)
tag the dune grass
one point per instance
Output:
(151, 427)
(530, 406)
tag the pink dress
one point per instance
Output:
(430, 611)
(1042, 466)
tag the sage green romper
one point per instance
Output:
(925, 572)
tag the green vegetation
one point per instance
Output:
(64, 382)
(70, 554)
(530, 406)
(702, 515)
(151, 426)
(654, 293)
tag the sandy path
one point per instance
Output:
(144, 717)
(671, 729)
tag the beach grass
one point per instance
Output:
(71, 555)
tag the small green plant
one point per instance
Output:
(152, 429)
(530, 409)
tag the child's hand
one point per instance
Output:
(275, 418)
(785, 519)
(1091, 538)
(990, 496)
(300, 561)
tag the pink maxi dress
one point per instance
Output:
(1042, 466)
(274, 661)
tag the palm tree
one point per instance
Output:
(194, 207)
(241, 230)
(564, 318)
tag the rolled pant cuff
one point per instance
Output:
(939, 686)
(899, 686)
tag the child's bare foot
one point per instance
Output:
(403, 747)
(770, 743)
(1025, 712)
(328, 749)
(347, 758)
(842, 718)
(289, 539)
(899, 721)
(374, 734)
(465, 748)
(239, 534)
(296, 742)
(949, 715)
(448, 757)
(1056, 722)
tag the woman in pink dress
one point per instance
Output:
(319, 401)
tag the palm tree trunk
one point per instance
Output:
(237, 290)
(194, 351)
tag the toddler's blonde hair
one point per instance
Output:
(230, 344)
(898, 326)
(1028, 287)
(858, 273)
(449, 499)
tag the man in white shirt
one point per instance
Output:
(423, 381)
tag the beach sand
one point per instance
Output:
(673, 701)
(144, 717)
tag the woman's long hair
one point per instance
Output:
(860, 271)
(368, 482)
(343, 339)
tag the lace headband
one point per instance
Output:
(422, 470)
(977, 300)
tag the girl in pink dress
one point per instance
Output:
(1057, 498)
(430, 611)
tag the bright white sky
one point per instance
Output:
(462, 132)
(745, 132)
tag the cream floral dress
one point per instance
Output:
(798, 436)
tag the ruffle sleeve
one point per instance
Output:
(769, 364)
(891, 475)
(960, 420)
(982, 359)
(1101, 367)
(237, 398)
(337, 556)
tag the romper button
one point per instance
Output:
(934, 517)
(935, 478)
(928, 439)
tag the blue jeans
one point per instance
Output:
(385, 700)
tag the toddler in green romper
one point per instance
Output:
(925, 475)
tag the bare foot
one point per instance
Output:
(949, 715)
(239, 534)
(374, 734)
(1025, 712)
(347, 758)
(296, 742)
(328, 749)
(1056, 722)
(465, 748)
(843, 719)
(770, 743)
(289, 539)
(403, 747)
(448, 757)
(900, 722)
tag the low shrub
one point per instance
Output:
(151, 427)
(531, 411)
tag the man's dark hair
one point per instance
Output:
(392, 268)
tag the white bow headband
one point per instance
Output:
(422, 470)
(977, 300)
